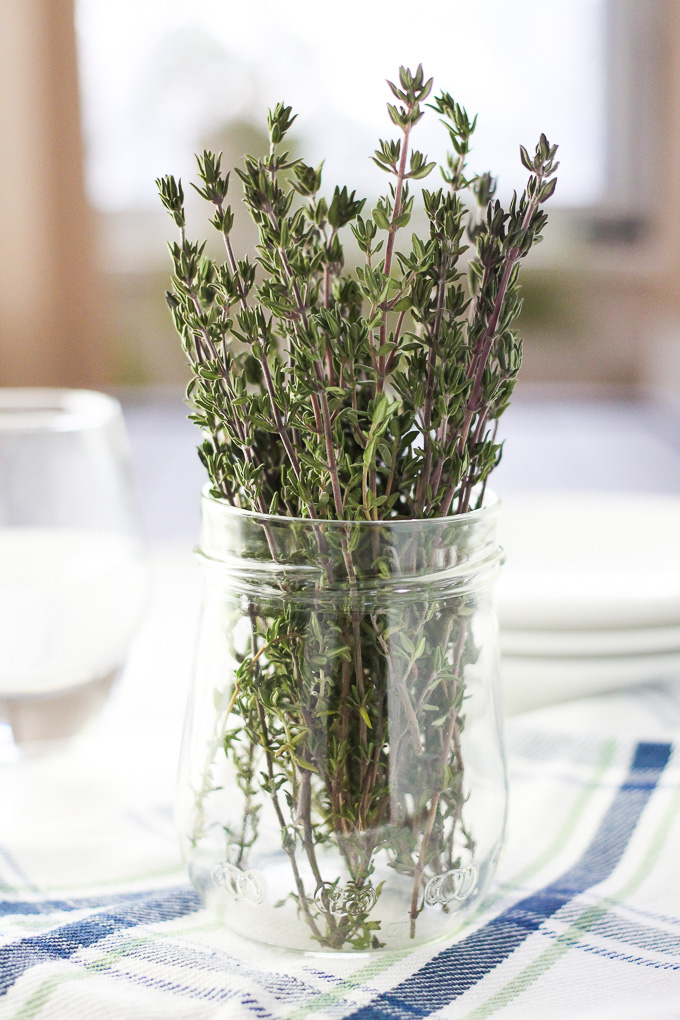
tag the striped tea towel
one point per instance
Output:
(99, 922)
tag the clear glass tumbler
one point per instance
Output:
(342, 783)
(73, 570)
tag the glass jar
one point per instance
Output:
(342, 781)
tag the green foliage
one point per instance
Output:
(291, 355)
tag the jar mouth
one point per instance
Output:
(490, 508)
(363, 558)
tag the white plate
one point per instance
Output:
(587, 562)
(532, 682)
(628, 640)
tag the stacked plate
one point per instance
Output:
(589, 598)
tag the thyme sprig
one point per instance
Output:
(359, 394)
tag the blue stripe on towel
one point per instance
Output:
(25, 908)
(452, 972)
(63, 942)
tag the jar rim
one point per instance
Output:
(490, 507)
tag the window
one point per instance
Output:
(160, 78)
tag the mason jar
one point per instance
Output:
(342, 782)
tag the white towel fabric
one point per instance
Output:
(99, 920)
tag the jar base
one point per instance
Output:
(258, 916)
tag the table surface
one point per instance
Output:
(99, 919)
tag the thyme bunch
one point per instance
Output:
(326, 392)
(364, 394)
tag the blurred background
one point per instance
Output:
(97, 98)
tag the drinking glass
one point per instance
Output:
(73, 569)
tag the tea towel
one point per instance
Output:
(100, 923)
